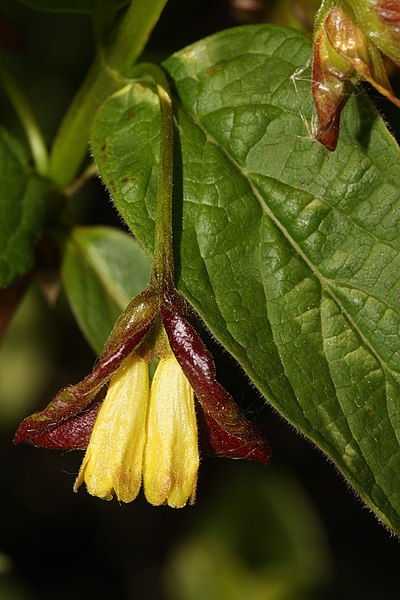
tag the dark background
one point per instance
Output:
(56, 544)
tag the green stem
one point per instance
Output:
(90, 171)
(27, 118)
(321, 15)
(71, 143)
(103, 79)
(163, 260)
(134, 33)
(162, 276)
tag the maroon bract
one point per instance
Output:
(67, 412)
(229, 433)
(74, 413)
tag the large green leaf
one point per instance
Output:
(288, 252)
(103, 268)
(22, 196)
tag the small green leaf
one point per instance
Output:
(22, 198)
(289, 253)
(103, 268)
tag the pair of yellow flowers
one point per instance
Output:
(144, 433)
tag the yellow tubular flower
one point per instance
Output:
(171, 458)
(140, 432)
(114, 456)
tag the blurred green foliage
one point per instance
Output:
(25, 360)
(254, 547)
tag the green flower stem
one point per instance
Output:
(103, 79)
(27, 119)
(162, 277)
(163, 260)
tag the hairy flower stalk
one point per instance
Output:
(135, 432)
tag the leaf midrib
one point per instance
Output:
(323, 282)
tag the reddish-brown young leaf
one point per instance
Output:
(353, 45)
(380, 21)
(330, 88)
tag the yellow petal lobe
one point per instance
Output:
(171, 458)
(113, 461)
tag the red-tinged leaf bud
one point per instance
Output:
(380, 21)
(355, 47)
(228, 431)
(331, 87)
(344, 51)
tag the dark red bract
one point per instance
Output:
(68, 420)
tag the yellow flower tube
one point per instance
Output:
(113, 461)
(171, 458)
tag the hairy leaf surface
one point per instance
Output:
(289, 253)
